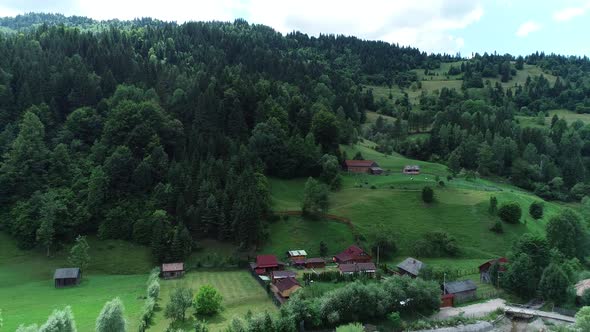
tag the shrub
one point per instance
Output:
(153, 290)
(427, 194)
(436, 244)
(493, 209)
(395, 320)
(510, 212)
(497, 227)
(208, 301)
(536, 210)
(353, 327)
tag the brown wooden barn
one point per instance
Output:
(172, 270)
(352, 254)
(67, 277)
(484, 268)
(368, 268)
(362, 166)
(285, 287)
(317, 263)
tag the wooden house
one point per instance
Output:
(285, 287)
(266, 264)
(484, 268)
(316, 263)
(410, 266)
(67, 277)
(352, 254)
(172, 270)
(462, 291)
(362, 166)
(296, 255)
(411, 170)
(368, 268)
(278, 275)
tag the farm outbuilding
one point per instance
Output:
(362, 166)
(277, 275)
(352, 254)
(295, 255)
(285, 287)
(484, 268)
(464, 290)
(369, 268)
(317, 263)
(172, 270)
(266, 263)
(410, 266)
(67, 277)
(411, 170)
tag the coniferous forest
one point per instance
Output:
(162, 133)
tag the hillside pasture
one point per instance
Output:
(28, 295)
(391, 204)
(299, 233)
(240, 292)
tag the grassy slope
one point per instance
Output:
(297, 233)
(567, 115)
(27, 294)
(239, 290)
(395, 207)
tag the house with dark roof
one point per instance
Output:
(362, 166)
(285, 287)
(484, 269)
(266, 264)
(462, 291)
(352, 254)
(410, 266)
(67, 277)
(317, 263)
(276, 275)
(172, 270)
(369, 268)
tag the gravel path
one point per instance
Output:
(473, 310)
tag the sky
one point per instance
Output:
(439, 26)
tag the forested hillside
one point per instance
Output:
(162, 133)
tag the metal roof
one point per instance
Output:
(172, 267)
(411, 265)
(297, 253)
(67, 273)
(455, 287)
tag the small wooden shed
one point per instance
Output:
(285, 287)
(67, 277)
(464, 290)
(317, 263)
(410, 266)
(172, 270)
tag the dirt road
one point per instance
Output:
(472, 310)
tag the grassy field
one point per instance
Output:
(239, 290)
(298, 233)
(28, 296)
(567, 115)
(391, 204)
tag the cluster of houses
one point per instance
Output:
(371, 167)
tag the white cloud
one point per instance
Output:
(527, 27)
(431, 25)
(569, 13)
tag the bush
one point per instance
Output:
(436, 244)
(510, 212)
(353, 327)
(153, 290)
(497, 227)
(395, 320)
(536, 210)
(427, 194)
(208, 301)
(493, 209)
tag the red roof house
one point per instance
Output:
(362, 166)
(484, 268)
(266, 263)
(352, 254)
